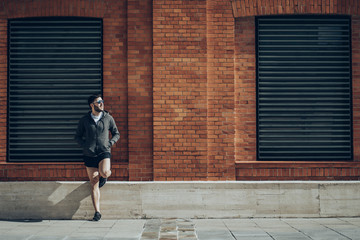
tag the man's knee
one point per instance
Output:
(94, 181)
(104, 168)
(107, 173)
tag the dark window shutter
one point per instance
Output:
(304, 107)
(54, 64)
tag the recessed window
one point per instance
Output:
(54, 64)
(304, 109)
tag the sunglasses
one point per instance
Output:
(99, 102)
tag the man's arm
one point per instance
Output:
(79, 134)
(114, 132)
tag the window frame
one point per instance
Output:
(83, 101)
(351, 152)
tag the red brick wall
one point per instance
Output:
(180, 100)
(55, 172)
(220, 90)
(257, 171)
(140, 110)
(193, 90)
(3, 89)
(179, 78)
(244, 8)
(245, 89)
(114, 16)
(247, 168)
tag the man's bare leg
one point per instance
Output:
(93, 174)
(104, 168)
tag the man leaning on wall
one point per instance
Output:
(92, 135)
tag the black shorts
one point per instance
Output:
(94, 161)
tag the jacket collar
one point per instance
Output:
(105, 114)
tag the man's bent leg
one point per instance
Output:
(104, 168)
(93, 174)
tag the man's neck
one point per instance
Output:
(95, 113)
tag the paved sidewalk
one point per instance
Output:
(184, 229)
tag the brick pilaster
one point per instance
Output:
(140, 104)
(220, 90)
(180, 110)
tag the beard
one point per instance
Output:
(97, 109)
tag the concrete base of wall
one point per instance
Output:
(72, 200)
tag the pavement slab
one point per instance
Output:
(184, 229)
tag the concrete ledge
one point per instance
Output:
(72, 200)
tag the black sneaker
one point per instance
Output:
(97, 216)
(102, 181)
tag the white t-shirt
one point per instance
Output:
(97, 118)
